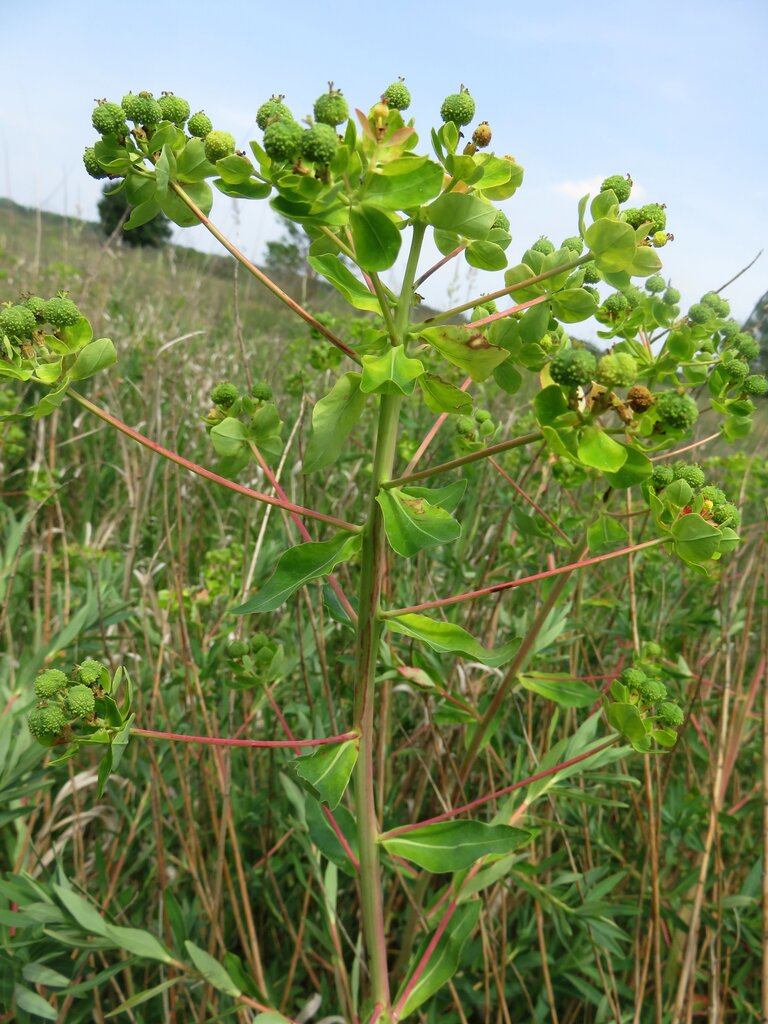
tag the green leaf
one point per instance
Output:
(165, 171)
(235, 169)
(191, 163)
(444, 960)
(344, 281)
(39, 974)
(626, 719)
(696, 540)
(96, 356)
(508, 377)
(440, 396)
(635, 470)
(328, 770)
(465, 214)
(606, 533)
(447, 497)
(86, 916)
(31, 1002)
(391, 373)
(77, 335)
(400, 185)
(446, 241)
(229, 437)
(178, 211)
(213, 972)
(377, 240)
(468, 349)
(550, 403)
(612, 244)
(646, 262)
(573, 304)
(138, 942)
(143, 997)
(448, 638)
(413, 524)
(599, 450)
(251, 189)
(270, 1017)
(485, 256)
(143, 213)
(333, 419)
(298, 566)
(454, 845)
(569, 693)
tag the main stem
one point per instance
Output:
(369, 628)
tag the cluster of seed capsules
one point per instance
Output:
(285, 139)
(641, 685)
(709, 502)
(22, 323)
(64, 701)
(225, 397)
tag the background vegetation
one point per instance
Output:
(646, 874)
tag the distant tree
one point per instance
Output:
(114, 210)
(757, 325)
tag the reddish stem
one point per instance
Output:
(530, 500)
(431, 434)
(226, 741)
(193, 467)
(440, 263)
(508, 312)
(499, 792)
(510, 584)
(679, 451)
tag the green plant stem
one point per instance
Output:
(508, 291)
(261, 276)
(193, 467)
(369, 627)
(485, 453)
(368, 633)
(226, 741)
(386, 311)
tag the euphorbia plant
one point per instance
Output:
(368, 198)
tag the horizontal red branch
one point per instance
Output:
(499, 792)
(208, 474)
(225, 741)
(510, 584)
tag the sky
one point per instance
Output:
(672, 93)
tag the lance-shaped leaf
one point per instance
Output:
(440, 396)
(333, 418)
(213, 972)
(413, 524)
(468, 349)
(344, 281)
(391, 373)
(448, 638)
(444, 961)
(327, 770)
(454, 845)
(447, 497)
(569, 693)
(298, 566)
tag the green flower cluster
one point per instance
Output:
(64, 700)
(708, 501)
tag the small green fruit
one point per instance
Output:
(80, 701)
(676, 410)
(544, 246)
(574, 244)
(617, 369)
(482, 135)
(282, 140)
(109, 119)
(224, 394)
(273, 110)
(619, 185)
(661, 477)
(89, 671)
(501, 221)
(218, 145)
(17, 321)
(652, 691)
(671, 296)
(143, 109)
(655, 284)
(736, 369)
(331, 108)
(92, 165)
(591, 273)
(572, 367)
(61, 312)
(319, 144)
(397, 95)
(173, 109)
(755, 384)
(49, 683)
(262, 392)
(36, 306)
(47, 722)
(747, 346)
(199, 125)
(671, 715)
(633, 678)
(237, 648)
(459, 107)
(691, 473)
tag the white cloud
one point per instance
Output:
(577, 189)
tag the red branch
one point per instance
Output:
(510, 584)
(226, 741)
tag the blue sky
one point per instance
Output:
(671, 92)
